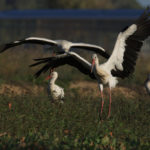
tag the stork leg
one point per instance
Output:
(109, 103)
(102, 99)
(102, 104)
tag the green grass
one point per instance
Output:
(35, 123)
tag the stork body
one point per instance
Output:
(54, 91)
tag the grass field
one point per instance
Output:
(32, 122)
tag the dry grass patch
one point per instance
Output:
(17, 90)
(90, 88)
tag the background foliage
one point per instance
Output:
(67, 4)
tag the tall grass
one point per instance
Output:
(76, 124)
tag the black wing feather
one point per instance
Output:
(56, 61)
(133, 45)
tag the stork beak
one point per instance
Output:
(48, 77)
(93, 63)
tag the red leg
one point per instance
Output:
(109, 102)
(102, 100)
(102, 104)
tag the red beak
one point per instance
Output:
(93, 63)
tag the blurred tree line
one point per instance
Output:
(67, 4)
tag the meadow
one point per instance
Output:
(32, 122)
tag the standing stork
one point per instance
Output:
(121, 62)
(61, 46)
(123, 58)
(55, 91)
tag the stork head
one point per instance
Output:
(94, 59)
(54, 74)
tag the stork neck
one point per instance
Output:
(96, 63)
(52, 81)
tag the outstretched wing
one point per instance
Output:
(71, 59)
(91, 47)
(128, 44)
(33, 40)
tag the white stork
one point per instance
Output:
(120, 64)
(147, 84)
(123, 59)
(61, 46)
(54, 91)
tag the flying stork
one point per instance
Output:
(61, 46)
(120, 64)
(54, 91)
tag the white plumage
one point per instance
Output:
(55, 91)
(60, 46)
(115, 62)
(117, 56)
(147, 84)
